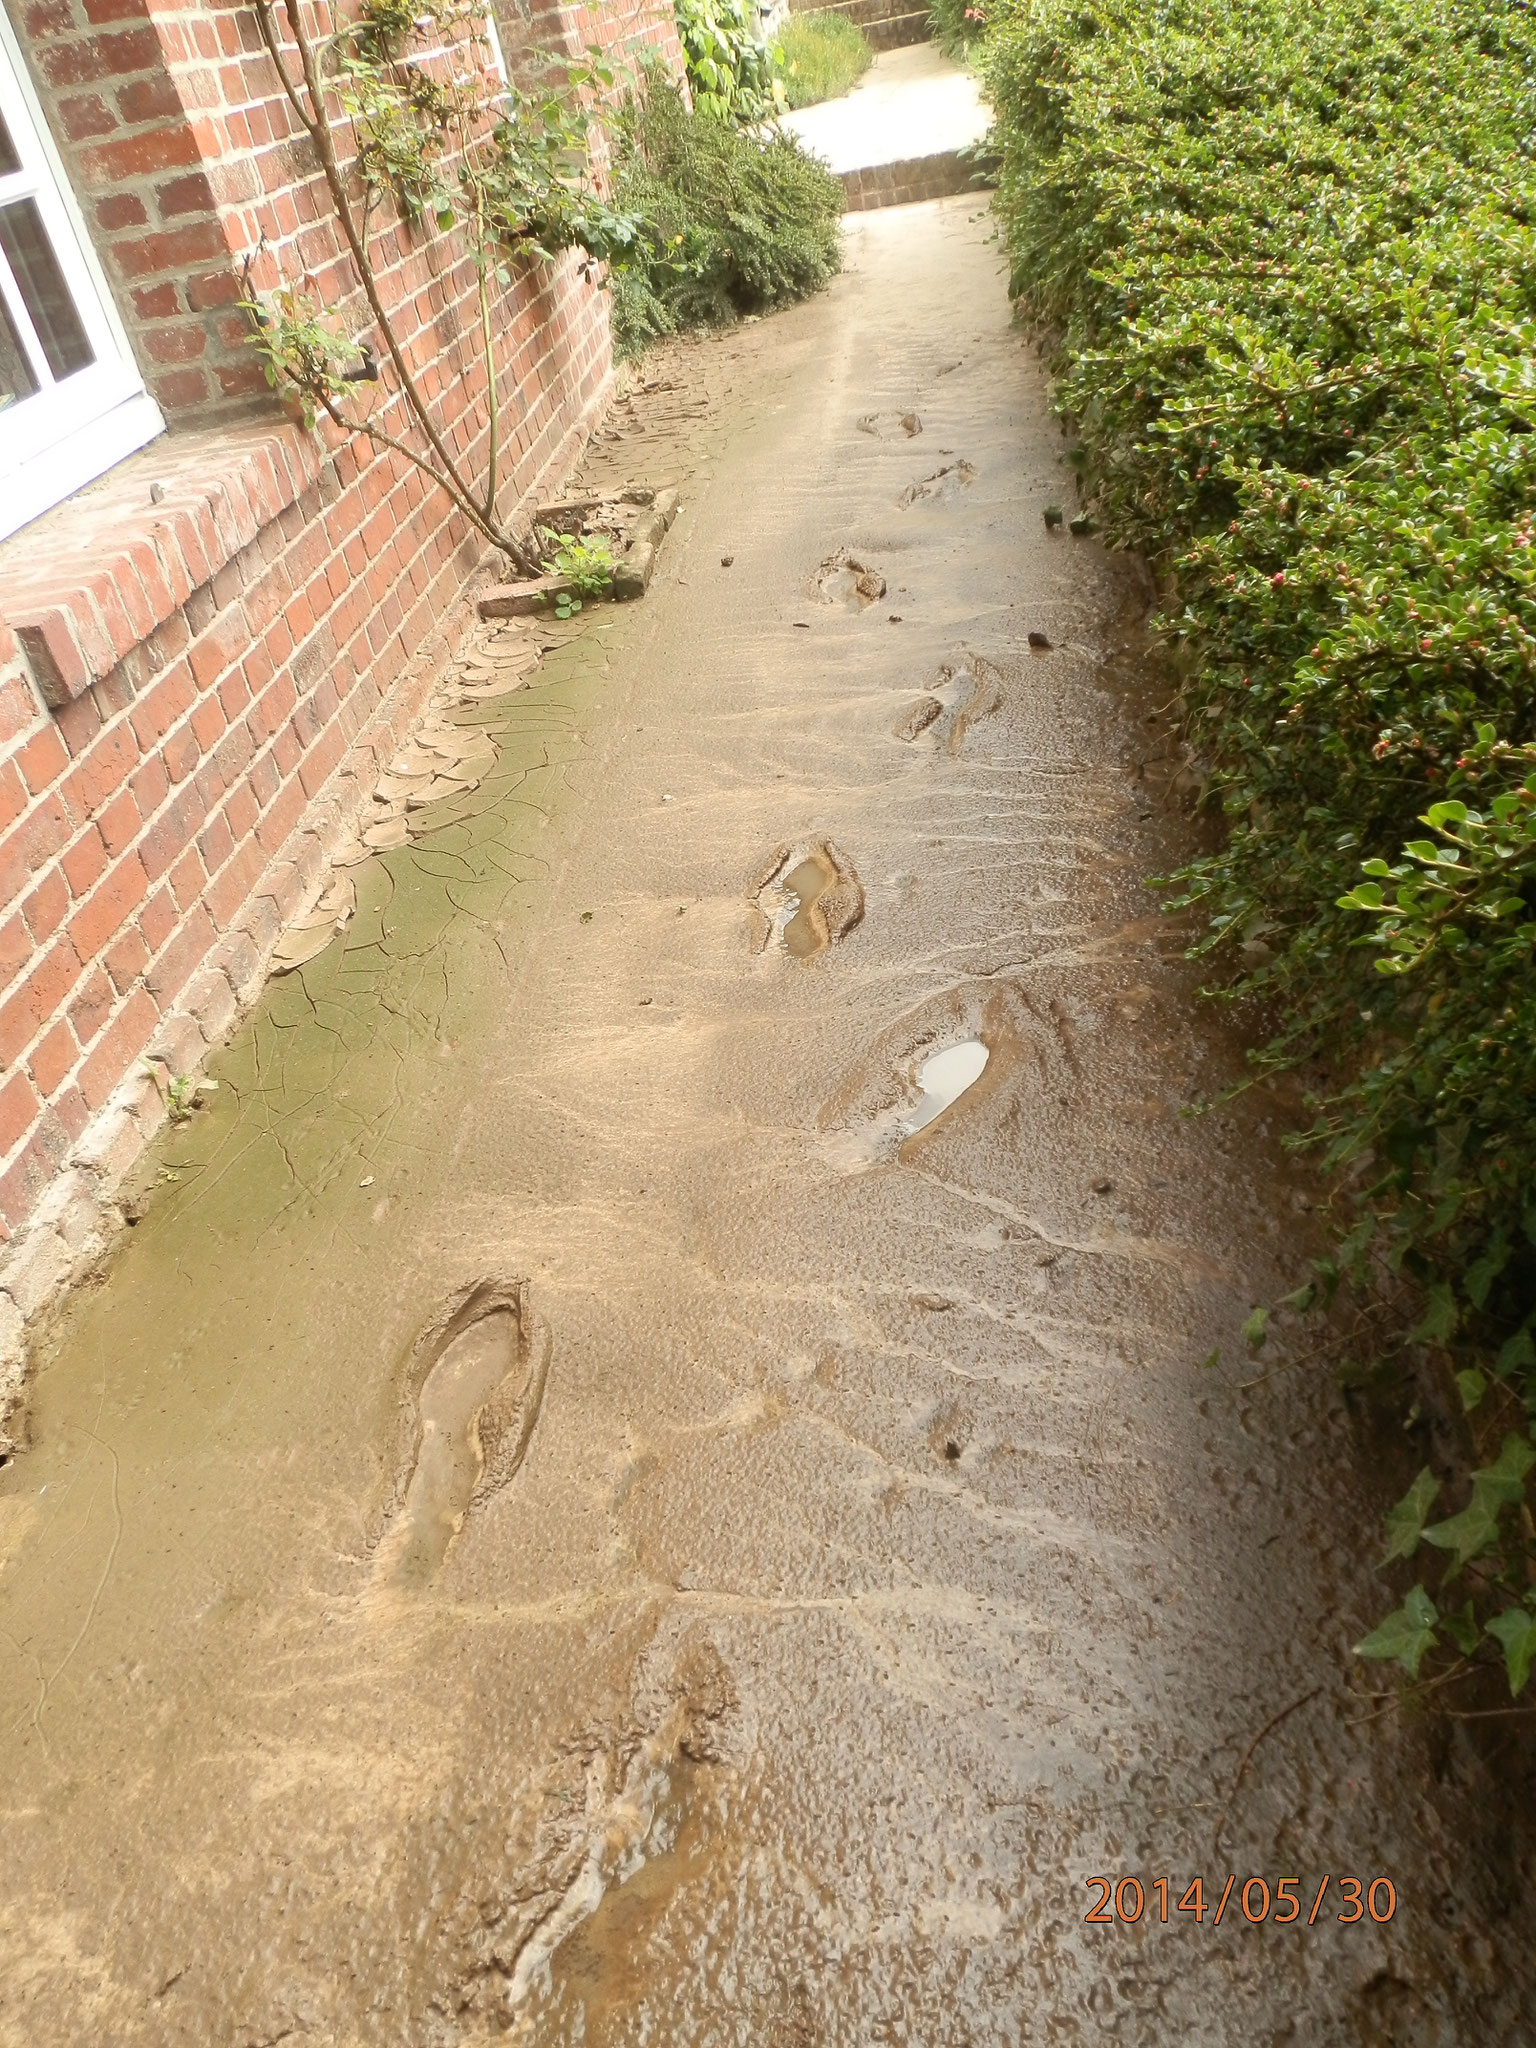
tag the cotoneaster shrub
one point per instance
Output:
(1286, 249)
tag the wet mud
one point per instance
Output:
(941, 487)
(623, 1487)
(806, 898)
(475, 1385)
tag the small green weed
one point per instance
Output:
(586, 564)
(182, 1092)
(822, 55)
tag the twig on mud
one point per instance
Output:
(1268, 1729)
(1392, 1700)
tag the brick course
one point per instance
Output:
(199, 680)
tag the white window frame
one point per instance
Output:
(71, 430)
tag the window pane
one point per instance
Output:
(16, 378)
(36, 270)
(9, 160)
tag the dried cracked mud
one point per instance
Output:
(754, 1612)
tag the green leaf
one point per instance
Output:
(1463, 1629)
(1509, 1470)
(1256, 1329)
(1210, 1364)
(1519, 1352)
(1440, 1317)
(1468, 1534)
(1471, 1385)
(1405, 1522)
(1515, 1628)
(1406, 1634)
(1484, 1271)
(1441, 815)
(1494, 1488)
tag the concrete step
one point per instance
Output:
(899, 135)
(889, 24)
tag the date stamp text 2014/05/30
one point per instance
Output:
(1285, 1903)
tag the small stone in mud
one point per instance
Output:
(645, 1002)
(1103, 1187)
(586, 917)
(895, 618)
(726, 561)
(935, 1303)
(1039, 642)
(951, 1450)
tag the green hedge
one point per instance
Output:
(1287, 249)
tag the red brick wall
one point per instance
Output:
(194, 681)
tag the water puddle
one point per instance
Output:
(929, 1087)
(803, 890)
(806, 898)
(481, 1375)
(943, 1079)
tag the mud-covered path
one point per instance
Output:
(855, 1558)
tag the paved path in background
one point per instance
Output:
(592, 1507)
(910, 103)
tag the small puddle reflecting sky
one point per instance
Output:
(944, 1078)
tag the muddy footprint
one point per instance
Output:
(890, 426)
(976, 689)
(842, 580)
(807, 897)
(917, 721)
(473, 1388)
(938, 489)
(925, 1084)
(971, 1047)
(967, 691)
